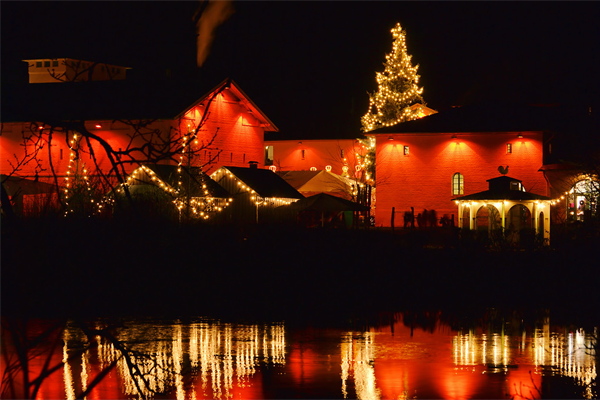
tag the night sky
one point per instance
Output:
(309, 65)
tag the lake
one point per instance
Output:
(142, 310)
(422, 355)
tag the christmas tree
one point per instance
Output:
(398, 88)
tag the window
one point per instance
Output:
(47, 64)
(38, 64)
(458, 184)
(55, 63)
(508, 148)
(406, 150)
(268, 155)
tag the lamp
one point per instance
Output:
(454, 136)
(520, 136)
(390, 138)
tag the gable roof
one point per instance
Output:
(316, 181)
(265, 182)
(235, 93)
(324, 202)
(113, 100)
(197, 180)
(486, 117)
(297, 178)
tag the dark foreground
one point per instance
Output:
(91, 268)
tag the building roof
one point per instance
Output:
(15, 185)
(265, 182)
(113, 100)
(197, 179)
(488, 117)
(324, 202)
(322, 180)
(297, 178)
(503, 188)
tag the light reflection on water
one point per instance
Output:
(212, 359)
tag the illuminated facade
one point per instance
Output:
(55, 70)
(426, 163)
(59, 134)
(506, 206)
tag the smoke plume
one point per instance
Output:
(214, 14)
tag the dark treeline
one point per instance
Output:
(90, 268)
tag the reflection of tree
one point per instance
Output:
(151, 359)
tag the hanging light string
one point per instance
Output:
(255, 198)
(75, 176)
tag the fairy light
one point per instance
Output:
(75, 175)
(398, 88)
(255, 198)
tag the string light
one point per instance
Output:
(255, 198)
(76, 176)
(398, 88)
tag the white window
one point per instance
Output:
(458, 184)
(268, 155)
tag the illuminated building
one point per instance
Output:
(203, 127)
(506, 206)
(256, 192)
(425, 163)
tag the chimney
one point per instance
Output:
(253, 164)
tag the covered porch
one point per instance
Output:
(506, 206)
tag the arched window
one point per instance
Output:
(458, 184)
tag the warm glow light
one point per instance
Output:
(398, 88)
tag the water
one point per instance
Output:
(396, 356)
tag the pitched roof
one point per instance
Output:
(16, 185)
(197, 179)
(265, 182)
(487, 117)
(297, 178)
(324, 202)
(500, 188)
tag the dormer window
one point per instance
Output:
(517, 186)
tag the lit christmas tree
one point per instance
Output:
(398, 88)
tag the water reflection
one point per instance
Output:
(196, 360)
(399, 359)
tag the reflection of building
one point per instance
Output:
(357, 365)
(482, 362)
(220, 359)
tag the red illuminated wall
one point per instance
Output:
(116, 134)
(301, 155)
(239, 139)
(233, 135)
(423, 178)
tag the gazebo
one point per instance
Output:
(507, 206)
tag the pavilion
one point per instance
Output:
(507, 206)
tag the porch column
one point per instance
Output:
(535, 213)
(472, 217)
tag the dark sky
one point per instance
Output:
(309, 64)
